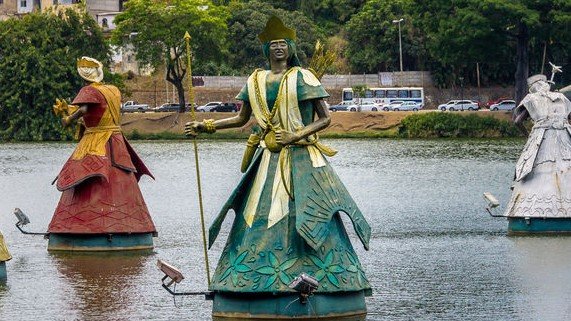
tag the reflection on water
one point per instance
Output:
(100, 284)
(435, 254)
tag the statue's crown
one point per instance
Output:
(535, 78)
(275, 29)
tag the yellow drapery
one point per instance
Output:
(4, 254)
(94, 139)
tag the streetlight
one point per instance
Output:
(461, 87)
(400, 41)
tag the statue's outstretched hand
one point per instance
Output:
(193, 128)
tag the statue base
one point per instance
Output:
(343, 306)
(538, 225)
(3, 272)
(100, 242)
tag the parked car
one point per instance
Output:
(132, 106)
(172, 107)
(495, 101)
(209, 106)
(503, 105)
(343, 106)
(459, 105)
(447, 105)
(366, 106)
(407, 105)
(226, 107)
(392, 105)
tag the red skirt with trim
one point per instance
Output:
(101, 195)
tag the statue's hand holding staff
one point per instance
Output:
(193, 128)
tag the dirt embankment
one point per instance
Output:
(341, 122)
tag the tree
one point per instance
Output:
(156, 29)
(249, 19)
(528, 22)
(38, 65)
(374, 37)
(497, 33)
(331, 15)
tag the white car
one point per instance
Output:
(366, 106)
(459, 105)
(209, 106)
(407, 105)
(503, 105)
(392, 105)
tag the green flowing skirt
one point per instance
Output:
(262, 259)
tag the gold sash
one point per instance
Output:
(94, 139)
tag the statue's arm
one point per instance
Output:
(323, 120)
(520, 116)
(194, 127)
(237, 121)
(81, 110)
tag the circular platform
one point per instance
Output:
(3, 272)
(100, 242)
(345, 306)
(538, 225)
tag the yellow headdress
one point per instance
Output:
(275, 29)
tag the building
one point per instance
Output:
(104, 13)
(9, 8)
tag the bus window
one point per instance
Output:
(347, 95)
(392, 94)
(380, 94)
(403, 93)
(368, 93)
(415, 94)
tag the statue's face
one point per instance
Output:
(278, 50)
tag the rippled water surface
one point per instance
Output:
(435, 253)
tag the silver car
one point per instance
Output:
(211, 106)
(407, 105)
(503, 105)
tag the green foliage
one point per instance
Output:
(38, 65)
(156, 29)
(249, 19)
(459, 34)
(444, 124)
(374, 37)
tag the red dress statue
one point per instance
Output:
(100, 180)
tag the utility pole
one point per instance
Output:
(400, 41)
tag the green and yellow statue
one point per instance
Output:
(288, 253)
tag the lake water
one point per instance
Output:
(435, 253)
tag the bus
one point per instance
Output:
(385, 96)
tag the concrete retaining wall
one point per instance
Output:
(382, 79)
(225, 88)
